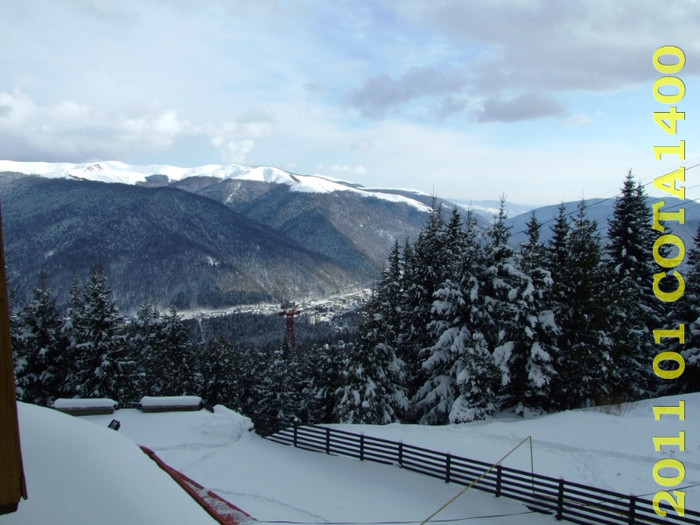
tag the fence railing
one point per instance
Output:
(573, 502)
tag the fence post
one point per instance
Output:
(401, 453)
(362, 447)
(448, 465)
(632, 511)
(498, 481)
(560, 500)
(328, 440)
(296, 433)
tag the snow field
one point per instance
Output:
(80, 472)
(274, 482)
(614, 452)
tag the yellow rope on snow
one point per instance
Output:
(480, 478)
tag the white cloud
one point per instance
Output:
(395, 92)
(234, 151)
(359, 170)
(579, 119)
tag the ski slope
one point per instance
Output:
(273, 482)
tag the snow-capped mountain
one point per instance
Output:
(161, 174)
(209, 236)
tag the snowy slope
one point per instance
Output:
(120, 172)
(613, 451)
(274, 482)
(79, 474)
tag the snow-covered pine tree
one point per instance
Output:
(278, 392)
(509, 297)
(219, 364)
(427, 265)
(634, 308)
(477, 381)
(557, 260)
(406, 303)
(145, 343)
(40, 348)
(97, 347)
(540, 320)
(372, 390)
(582, 314)
(177, 372)
(324, 367)
(456, 308)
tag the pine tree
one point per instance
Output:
(279, 393)
(456, 310)
(582, 314)
(145, 342)
(477, 381)
(40, 348)
(427, 266)
(509, 302)
(372, 390)
(635, 310)
(219, 367)
(540, 324)
(558, 258)
(177, 372)
(324, 366)
(97, 348)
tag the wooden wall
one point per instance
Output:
(12, 484)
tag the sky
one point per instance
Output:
(539, 101)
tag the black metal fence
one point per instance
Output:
(565, 500)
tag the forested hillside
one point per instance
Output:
(460, 326)
(463, 325)
(160, 245)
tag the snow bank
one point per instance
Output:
(153, 404)
(81, 473)
(63, 403)
(81, 407)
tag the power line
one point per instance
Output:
(600, 200)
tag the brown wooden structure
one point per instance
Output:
(12, 483)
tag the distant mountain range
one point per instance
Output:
(203, 237)
(214, 236)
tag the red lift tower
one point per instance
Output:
(289, 313)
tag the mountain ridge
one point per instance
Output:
(216, 236)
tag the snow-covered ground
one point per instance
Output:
(77, 468)
(606, 447)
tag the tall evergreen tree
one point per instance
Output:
(97, 340)
(177, 372)
(427, 268)
(219, 367)
(635, 309)
(372, 390)
(509, 301)
(582, 315)
(146, 342)
(40, 348)
(279, 392)
(456, 310)
(540, 323)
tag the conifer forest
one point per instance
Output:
(461, 325)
